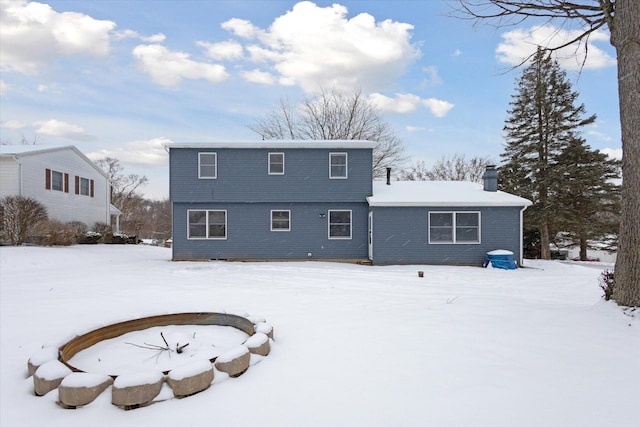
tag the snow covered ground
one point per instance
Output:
(354, 345)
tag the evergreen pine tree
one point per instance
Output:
(543, 119)
(588, 195)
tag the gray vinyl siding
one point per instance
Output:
(243, 176)
(249, 234)
(401, 236)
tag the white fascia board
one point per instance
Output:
(447, 204)
(277, 144)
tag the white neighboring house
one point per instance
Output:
(64, 180)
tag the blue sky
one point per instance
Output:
(122, 78)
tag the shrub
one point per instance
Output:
(101, 228)
(53, 233)
(606, 283)
(89, 238)
(115, 239)
(19, 216)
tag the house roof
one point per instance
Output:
(24, 150)
(278, 144)
(440, 193)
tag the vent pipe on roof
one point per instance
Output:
(388, 176)
(490, 178)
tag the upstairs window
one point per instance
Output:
(337, 165)
(339, 224)
(454, 227)
(276, 163)
(84, 186)
(57, 181)
(207, 165)
(280, 220)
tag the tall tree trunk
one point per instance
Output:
(583, 250)
(625, 37)
(545, 251)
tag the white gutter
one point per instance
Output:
(521, 234)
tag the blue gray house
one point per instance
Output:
(293, 200)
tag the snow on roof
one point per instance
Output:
(334, 143)
(30, 148)
(22, 150)
(440, 193)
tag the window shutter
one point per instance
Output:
(91, 188)
(77, 184)
(66, 182)
(47, 179)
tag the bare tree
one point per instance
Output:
(454, 168)
(621, 17)
(124, 190)
(19, 216)
(23, 141)
(335, 115)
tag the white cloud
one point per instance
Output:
(457, 52)
(415, 128)
(599, 135)
(403, 102)
(155, 38)
(316, 47)
(149, 152)
(614, 153)
(258, 76)
(432, 79)
(438, 107)
(227, 50)
(14, 124)
(241, 28)
(168, 68)
(406, 103)
(59, 128)
(4, 88)
(33, 35)
(520, 43)
(131, 34)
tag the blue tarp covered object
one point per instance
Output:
(501, 259)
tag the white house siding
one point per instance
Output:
(63, 206)
(9, 176)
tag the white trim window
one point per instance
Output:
(280, 220)
(339, 224)
(338, 165)
(207, 224)
(454, 227)
(276, 163)
(84, 186)
(207, 165)
(57, 181)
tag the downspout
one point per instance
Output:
(19, 174)
(522, 234)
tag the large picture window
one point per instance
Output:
(454, 227)
(207, 224)
(280, 220)
(340, 224)
(337, 165)
(276, 163)
(207, 165)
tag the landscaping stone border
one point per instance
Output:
(130, 392)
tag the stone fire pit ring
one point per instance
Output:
(51, 367)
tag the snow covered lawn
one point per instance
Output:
(354, 345)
